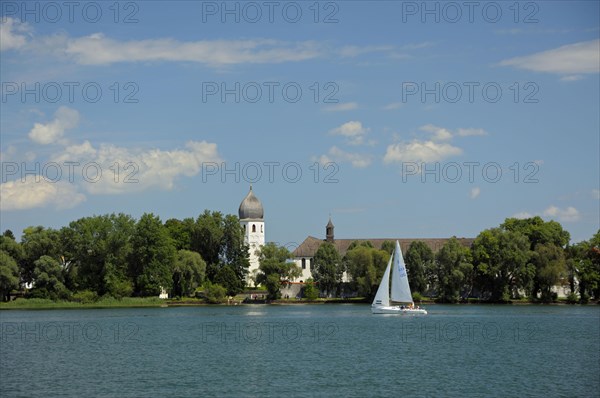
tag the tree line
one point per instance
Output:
(118, 256)
(115, 255)
(521, 258)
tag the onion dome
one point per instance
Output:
(251, 208)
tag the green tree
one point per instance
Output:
(587, 268)
(234, 252)
(37, 242)
(227, 278)
(188, 272)
(152, 256)
(49, 279)
(501, 260)
(366, 266)
(276, 269)
(356, 243)
(538, 231)
(454, 271)
(418, 258)
(207, 238)
(388, 246)
(181, 232)
(11, 247)
(549, 261)
(310, 291)
(213, 292)
(328, 268)
(9, 275)
(97, 250)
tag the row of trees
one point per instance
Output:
(117, 256)
(520, 258)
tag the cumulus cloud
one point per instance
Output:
(126, 170)
(571, 59)
(470, 132)
(439, 133)
(475, 192)
(343, 107)
(522, 215)
(13, 34)
(353, 131)
(570, 214)
(420, 151)
(337, 155)
(36, 191)
(65, 118)
(436, 148)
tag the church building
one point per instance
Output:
(305, 253)
(251, 215)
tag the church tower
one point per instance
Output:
(329, 231)
(251, 219)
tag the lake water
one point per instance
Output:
(301, 351)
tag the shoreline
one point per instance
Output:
(151, 303)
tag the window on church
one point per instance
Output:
(244, 227)
(253, 227)
(310, 264)
(303, 263)
(261, 229)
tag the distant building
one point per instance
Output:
(305, 253)
(251, 216)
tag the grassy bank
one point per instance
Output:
(27, 304)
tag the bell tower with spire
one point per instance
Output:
(329, 231)
(251, 216)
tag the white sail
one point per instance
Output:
(400, 287)
(383, 293)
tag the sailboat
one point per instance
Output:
(400, 289)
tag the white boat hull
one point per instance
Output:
(383, 309)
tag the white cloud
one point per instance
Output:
(343, 107)
(439, 133)
(596, 194)
(12, 34)
(97, 49)
(522, 215)
(8, 154)
(354, 51)
(126, 170)
(570, 214)
(475, 192)
(336, 155)
(571, 59)
(571, 78)
(52, 132)
(353, 131)
(420, 151)
(470, 132)
(392, 106)
(36, 191)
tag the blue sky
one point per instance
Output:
(400, 119)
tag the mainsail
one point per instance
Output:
(383, 293)
(400, 287)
